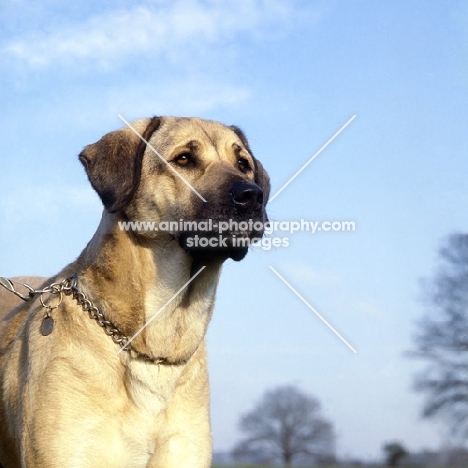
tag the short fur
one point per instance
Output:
(69, 399)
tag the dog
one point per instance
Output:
(132, 392)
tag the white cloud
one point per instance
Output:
(97, 114)
(309, 276)
(192, 97)
(154, 28)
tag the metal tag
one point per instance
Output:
(47, 325)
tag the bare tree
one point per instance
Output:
(442, 338)
(394, 453)
(284, 425)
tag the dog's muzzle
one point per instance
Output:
(242, 208)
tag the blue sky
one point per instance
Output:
(289, 73)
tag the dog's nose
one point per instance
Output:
(248, 196)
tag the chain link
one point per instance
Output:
(69, 287)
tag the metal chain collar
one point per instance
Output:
(69, 287)
(9, 286)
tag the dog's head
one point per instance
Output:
(196, 180)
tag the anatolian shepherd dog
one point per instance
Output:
(69, 397)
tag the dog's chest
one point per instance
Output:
(149, 389)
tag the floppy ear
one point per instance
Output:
(261, 176)
(262, 179)
(113, 164)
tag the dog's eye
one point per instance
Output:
(243, 164)
(183, 159)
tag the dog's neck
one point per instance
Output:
(136, 277)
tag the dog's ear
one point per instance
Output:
(262, 179)
(113, 164)
(261, 176)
